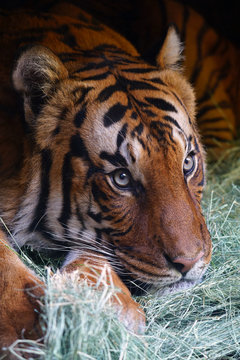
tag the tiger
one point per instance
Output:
(211, 61)
(101, 161)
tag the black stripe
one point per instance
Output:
(41, 208)
(98, 235)
(122, 217)
(124, 250)
(67, 174)
(201, 183)
(134, 115)
(198, 66)
(78, 147)
(139, 70)
(98, 193)
(172, 121)
(80, 116)
(56, 131)
(207, 130)
(93, 169)
(109, 48)
(217, 138)
(196, 145)
(161, 104)
(66, 36)
(91, 66)
(96, 217)
(115, 159)
(157, 81)
(114, 114)
(212, 51)
(102, 76)
(84, 93)
(138, 129)
(204, 109)
(141, 142)
(118, 234)
(179, 100)
(159, 132)
(122, 135)
(105, 209)
(213, 120)
(141, 85)
(146, 273)
(106, 93)
(108, 218)
(222, 73)
(149, 113)
(66, 57)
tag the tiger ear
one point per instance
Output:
(170, 55)
(36, 74)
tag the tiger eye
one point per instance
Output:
(122, 178)
(189, 164)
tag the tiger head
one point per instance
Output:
(116, 165)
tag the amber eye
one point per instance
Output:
(122, 178)
(189, 164)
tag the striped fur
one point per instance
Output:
(97, 116)
(211, 64)
(211, 61)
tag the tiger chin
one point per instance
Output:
(111, 168)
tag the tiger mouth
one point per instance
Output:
(140, 288)
(151, 279)
(162, 285)
(181, 285)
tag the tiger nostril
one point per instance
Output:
(179, 267)
(183, 264)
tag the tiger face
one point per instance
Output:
(121, 165)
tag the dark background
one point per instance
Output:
(224, 16)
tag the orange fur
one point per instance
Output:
(96, 114)
(20, 290)
(211, 61)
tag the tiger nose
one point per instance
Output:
(184, 264)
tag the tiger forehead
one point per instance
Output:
(141, 83)
(105, 112)
(124, 140)
(144, 97)
(116, 111)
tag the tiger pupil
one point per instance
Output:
(121, 178)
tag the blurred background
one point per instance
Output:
(222, 15)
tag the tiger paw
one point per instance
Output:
(129, 312)
(99, 273)
(20, 293)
